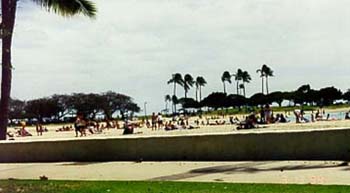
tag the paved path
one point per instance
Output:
(295, 172)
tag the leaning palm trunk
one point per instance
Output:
(8, 9)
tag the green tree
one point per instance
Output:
(200, 82)
(346, 96)
(42, 108)
(17, 109)
(8, 12)
(226, 77)
(176, 79)
(111, 102)
(215, 100)
(188, 83)
(277, 97)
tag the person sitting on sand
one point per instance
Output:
(90, 126)
(347, 117)
(128, 128)
(249, 123)
(168, 126)
(23, 132)
(171, 126)
(282, 119)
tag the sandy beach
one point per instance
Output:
(226, 128)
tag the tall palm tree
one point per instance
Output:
(167, 99)
(226, 77)
(176, 79)
(174, 100)
(261, 72)
(238, 77)
(188, 83)
(268, 72)
(8, 12)
(245, 79)
(200, 82)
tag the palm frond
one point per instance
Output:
(69, 8)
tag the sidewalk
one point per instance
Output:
(294, 172)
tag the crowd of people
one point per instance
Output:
(156, 121)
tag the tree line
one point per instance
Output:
(55, 108)
(304, 95)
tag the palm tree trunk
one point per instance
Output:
(172, 108)
(262, 85)
(224, 87)
(243, 89)
(174, 88)
(8, 9)
(196, 93)
(267, 85)
(166, 105)
(237, 85)
(200, 93)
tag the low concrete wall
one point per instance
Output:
(302, 145)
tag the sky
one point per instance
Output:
(133, 46)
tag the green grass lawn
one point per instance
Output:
(26, 186)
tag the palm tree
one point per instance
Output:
(245, 79)
(226, 77)
(200, 81)
(176, 79)
(188, 83)
(238, 77)
(262, 75)
(174, 100)
(268, 72)
(167, 99)
(8, 13)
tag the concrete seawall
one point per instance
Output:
(331, 144)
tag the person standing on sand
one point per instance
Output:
(160, 121)
(262, 115)
(39, 129)
(154, 121)
(267, 112)
(80, 125)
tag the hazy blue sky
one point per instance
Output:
(134, 46)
